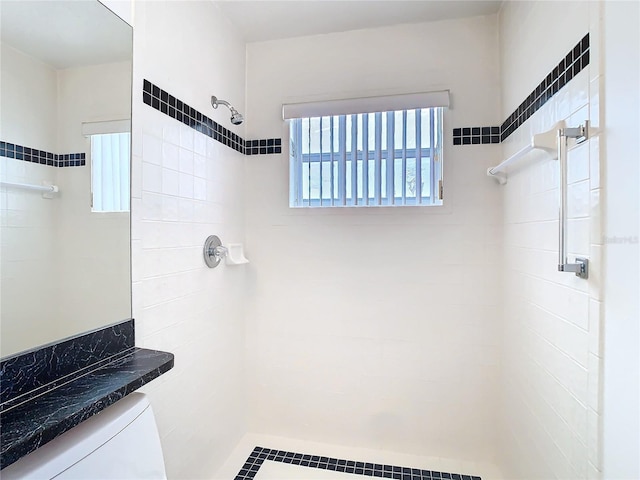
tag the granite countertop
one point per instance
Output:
(36, 414)
(31, 424)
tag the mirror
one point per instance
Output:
(65, 115)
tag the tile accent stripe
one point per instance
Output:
(576, 60)
(264, 146)
(476, 135)
(260, 454)
(572, 64)
(42, 157)
(166, 103)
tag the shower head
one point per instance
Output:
(236, 117)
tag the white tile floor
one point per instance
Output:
(279, 471)
(272, 470)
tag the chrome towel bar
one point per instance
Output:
(554, 141)
(581, 265)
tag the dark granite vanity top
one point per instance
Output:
(46, 392)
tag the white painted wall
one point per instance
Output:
(552, 352)
(29, 113)
(185, 187)
(621, 398)
(377, 327)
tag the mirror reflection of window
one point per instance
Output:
(110, 172)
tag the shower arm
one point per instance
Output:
(215, 102)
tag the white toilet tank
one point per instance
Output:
(119, 443)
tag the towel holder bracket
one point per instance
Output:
(580, 268)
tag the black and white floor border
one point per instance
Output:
(260, 454)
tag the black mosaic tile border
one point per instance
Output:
(572, 64)
(166, 103)
(263, 146)
(260, 454)
(28, 374)
(476, 135)
(576, 60)
(42, 157)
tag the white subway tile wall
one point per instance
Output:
(26, 218)
(185, 187)
(377, 328)
(552, 350)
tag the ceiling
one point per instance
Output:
(65, 34)
(260, 20)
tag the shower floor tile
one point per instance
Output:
(270, 464)
(278, 458)
(282, 471)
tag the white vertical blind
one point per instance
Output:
(368, 159)
(110, 159)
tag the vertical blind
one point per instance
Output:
(110, 159)
(367, 159)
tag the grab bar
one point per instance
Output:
(581, 267)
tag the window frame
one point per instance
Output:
(434, 155)
(92, 172)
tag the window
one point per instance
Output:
(110, 159)
(369, 159)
